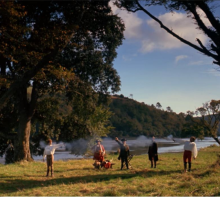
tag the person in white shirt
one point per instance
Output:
(49, 154)
(190, 150)
(99, 151)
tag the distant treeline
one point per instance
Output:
(132, 118)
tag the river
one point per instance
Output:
(138, 146)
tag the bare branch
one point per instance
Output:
(208, 53)
(215, 23)
(31, 73)
(202, 46)
(211, 34)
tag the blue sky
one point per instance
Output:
(155, 67)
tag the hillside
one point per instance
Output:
(132, 118)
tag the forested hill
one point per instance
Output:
(132, 118)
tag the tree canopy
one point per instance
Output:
(207, 120)
(55, 47)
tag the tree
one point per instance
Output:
(54, 46)
(192, 129)
(169, 109)
(208, 117)
(158, 105)
(191, 7)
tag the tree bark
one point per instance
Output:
(22, 146)
(217, 140)
(27, 109)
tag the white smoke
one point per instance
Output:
(42, 144)
(170, 137)
(78, 147)
(82, 147)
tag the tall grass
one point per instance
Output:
(79, 178)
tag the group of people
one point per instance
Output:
(190, 150)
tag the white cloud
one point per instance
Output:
(180, 24)
(132, 22)
(214, 72)
(200, 62)
(152, 37)
(180, 57)
(128, 57)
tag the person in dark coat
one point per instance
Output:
(152, 153)
(124, 152)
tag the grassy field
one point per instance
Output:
(79, 178)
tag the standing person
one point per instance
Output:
(152, 153)
(190, 150)
(124, 152)
(49, 153)
(99, 151)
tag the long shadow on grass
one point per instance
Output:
(151, 173)
(14, 184)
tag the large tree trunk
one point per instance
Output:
(22, 147)
(27, 108)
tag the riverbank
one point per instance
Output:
(138, 146)
(79, 178)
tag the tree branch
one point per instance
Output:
(177, 36)
(201, 45)
(31, 73)
(211, 34)
(217, 140)
(215, 23)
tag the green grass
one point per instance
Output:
(79, 178)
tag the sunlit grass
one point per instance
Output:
(79, 178)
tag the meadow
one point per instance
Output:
(79, 178)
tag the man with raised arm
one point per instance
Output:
(190, 150)
(49, 153)
(124, 152)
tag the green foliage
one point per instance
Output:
(57, 47)
(131, 118)
(193, 129)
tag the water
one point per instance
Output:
(138, 146)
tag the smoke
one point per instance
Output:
(42, 144)
(170, 137)
(77, 147)
(82, 147)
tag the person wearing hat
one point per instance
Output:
(124, 152)
(152, 153)
(99, 151)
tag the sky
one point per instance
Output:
(156, 67)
